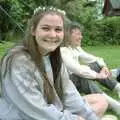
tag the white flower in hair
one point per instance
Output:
(64, 13)
(61, 11)
(43, 8)
(37, 9)
(51, 8)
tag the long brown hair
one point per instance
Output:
(55, 57)
(30, 47)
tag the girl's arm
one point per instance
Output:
(25, 89)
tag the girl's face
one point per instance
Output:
(49, 33)
(76, 37)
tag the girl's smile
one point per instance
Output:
(49, 33)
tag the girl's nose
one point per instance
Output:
(53, 33)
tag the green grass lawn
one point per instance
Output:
(111, 54)
(4, 46)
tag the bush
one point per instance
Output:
(105, 31)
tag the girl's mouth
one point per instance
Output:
(51, 41)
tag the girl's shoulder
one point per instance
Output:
(17, 53)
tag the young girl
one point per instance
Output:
(35, 83)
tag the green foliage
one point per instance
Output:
(20, 11)
(73, 9)
(102, 32)
(4, 46)
(111, 28)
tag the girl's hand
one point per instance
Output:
(80, 118)
(106, 71)
(101, 75)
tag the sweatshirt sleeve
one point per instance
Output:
(73, 101)
(24, 91)
(74, 65)
(89, 58)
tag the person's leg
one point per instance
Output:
(110, 84)
(85, 85)
(91, 86)
(116, 74)
(99, 105)
(97, 102)
(113, 104)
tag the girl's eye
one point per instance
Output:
(58, 29)
(45, 28)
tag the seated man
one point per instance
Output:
(84, 76)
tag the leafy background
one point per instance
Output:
(14, 15)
